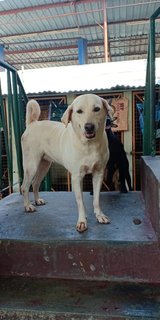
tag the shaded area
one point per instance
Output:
(41, 299)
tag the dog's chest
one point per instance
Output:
(90, 168)
(92, 163)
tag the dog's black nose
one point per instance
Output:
(89, 127)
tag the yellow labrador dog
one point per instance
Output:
(79, 143)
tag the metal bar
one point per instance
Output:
(43, 7)
(15, 113)
(8, 187)
(149, 136)
(4, 124)
(53, 16)
(123, 39)
(69, 4)
(155, 14)
(146, 150)
(105, 29)
(22, 89)
(152, 135)
(10, 108)
(74, 29)
(16, 102)
(0, 154)
(17, 127)
(7, 66)
(23, 99)
(82, 51)
(21, 110)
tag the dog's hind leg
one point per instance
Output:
(40, 174)
(30, 169)
(97, 182)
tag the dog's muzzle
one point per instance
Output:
(89, 130)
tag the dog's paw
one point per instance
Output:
(102, 218)
(40, 202)
(30, 208)
(81, 226)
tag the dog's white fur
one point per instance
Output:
(70, 144)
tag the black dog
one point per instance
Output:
(117, 160)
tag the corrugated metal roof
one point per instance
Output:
(43, 33)
(81, 78)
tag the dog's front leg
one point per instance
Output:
(97, 182)
(77, 188)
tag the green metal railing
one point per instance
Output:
(12, 114)
(149, 136)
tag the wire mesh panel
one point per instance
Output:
(4, 183)
(138, 105)
(59, 178)
(138, 126)
(52, 108)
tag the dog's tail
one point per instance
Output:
(32, 111)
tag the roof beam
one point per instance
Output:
(71, 39)
(74, 29)
(73, 58)
(97, 43)
(69, 30)
(65, 4)
(59, 59)
(65, 47)
(44, 7)
(46, 32)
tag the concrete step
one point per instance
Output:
(151, 189)
(45, 244)
(50, 299)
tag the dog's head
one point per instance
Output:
(87, 114)
(110, 123)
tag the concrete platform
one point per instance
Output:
(57, 219)
(46, 244)
(35, 299)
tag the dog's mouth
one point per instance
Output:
(89, 135)
(89, 130)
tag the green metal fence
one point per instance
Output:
(12, 109)
(149, 136)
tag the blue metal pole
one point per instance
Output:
(82, 51)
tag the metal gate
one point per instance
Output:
(12, 124)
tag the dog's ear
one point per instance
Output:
(66, 118)
(110, 110)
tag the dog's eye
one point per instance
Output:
(79, 111)
(96, 109)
